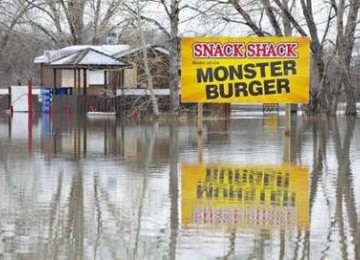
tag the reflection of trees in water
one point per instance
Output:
(173, 189)
(232, 242)
(74, 228)
(301, 250)
(53, 249)
(75, 222)
(73, 217)
(319, 132)
(142, 194)
(344, 219)
(345, 199)
(319, 127)
(72, 231)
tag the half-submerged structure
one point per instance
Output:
(103, 78)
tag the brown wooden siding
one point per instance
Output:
(47, 79)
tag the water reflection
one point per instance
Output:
(236, 199)
(259, 197)
(83, 188)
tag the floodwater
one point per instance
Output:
(103, 188)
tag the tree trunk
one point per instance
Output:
(74, 12)
(318, 96)
(150, 82)
(346, 54)
(174, 55)
(148, 75)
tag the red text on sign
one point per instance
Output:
(220, 50)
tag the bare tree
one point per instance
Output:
(345, 45)
(172, 11)
(18, 43)
(345, 37)
(76, 21)
(12, 13)
(149, 79)
(306, 24)
(170, 28)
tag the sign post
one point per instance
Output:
(287, 151)
(200, 134)
(30, 101)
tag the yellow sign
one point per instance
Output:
(247, 197)
(245, 70)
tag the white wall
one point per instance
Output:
(94, 77)
(19, 98)
(67, 78)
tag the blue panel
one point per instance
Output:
(46, 94)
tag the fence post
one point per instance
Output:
(30, 100)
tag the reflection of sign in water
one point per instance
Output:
(271, 123)
(245, 70)
(245, 196)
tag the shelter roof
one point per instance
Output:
(51, 55)
(88, 58)
(131, 51)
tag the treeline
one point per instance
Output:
(27, 27)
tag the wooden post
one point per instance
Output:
(287, 150)
(55, 79)
(74, 79)
(30, 133)
(30, 100)
(200, 131)
(105, 78)
(85, 82)
(42, 74)
(79, 82)
(287, 119)
(84, 99)
(10, 102)
(30, 122)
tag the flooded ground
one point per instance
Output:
(116, 189)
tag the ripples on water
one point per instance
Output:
(115, 189)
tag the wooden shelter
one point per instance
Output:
(80, 63)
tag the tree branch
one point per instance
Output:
(291, 18)
(150, 20)
(270, 14)
(248, 21)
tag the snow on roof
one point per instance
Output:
(88, 57)
(135, 50)
(51, 55)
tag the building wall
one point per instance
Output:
(67, 78)
(47, 77)
(100, 90)
(4, 101)
(130, 77)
